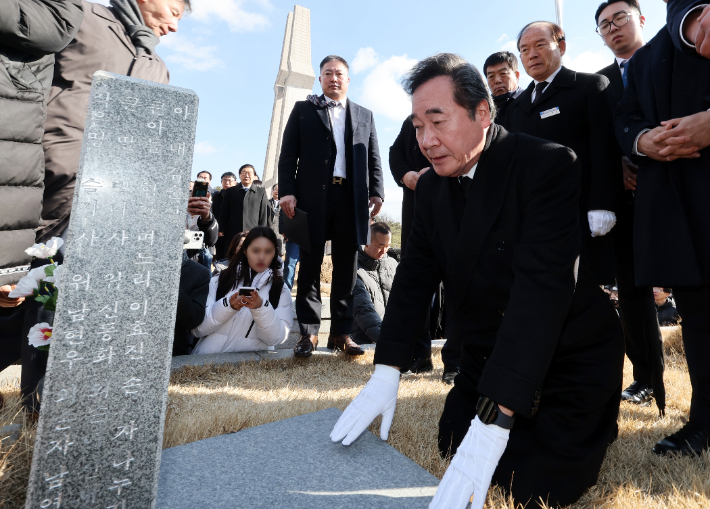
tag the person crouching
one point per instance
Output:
(243, 323)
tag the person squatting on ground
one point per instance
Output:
(259, 320)
(620, 25)
(663, 126)
(330, 168)
(535, 405)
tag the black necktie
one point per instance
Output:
(465, 183)
(538, 92)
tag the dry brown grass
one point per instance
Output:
(209, 401)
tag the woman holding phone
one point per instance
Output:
(248, 307)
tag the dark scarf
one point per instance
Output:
(499, 100)
(142, 37)
(321, 101)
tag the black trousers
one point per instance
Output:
(340, 230)
(557, 454)
(693, 304)
(451, 351)
(637, 307)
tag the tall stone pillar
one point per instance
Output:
(293, 83)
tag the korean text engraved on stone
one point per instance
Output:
(100, 431)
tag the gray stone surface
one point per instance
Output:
(10, 376)
(292, 464)
(214, 358)
(10, 434)
(99, 436)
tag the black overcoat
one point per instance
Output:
(405, 156)
(307, 160)
(242, 211)
(666, 83)
(584, 125)
(533, 339)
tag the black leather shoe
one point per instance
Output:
(692, 439)
(344, 343)
(421, 365)
(305, 345)
(638, 393)
(450, 373)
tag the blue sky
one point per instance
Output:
(228, 52)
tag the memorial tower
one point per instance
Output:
(293, 83)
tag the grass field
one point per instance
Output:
(210, 401)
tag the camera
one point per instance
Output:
(193, 240)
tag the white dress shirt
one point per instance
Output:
(470, 173)
(337, 120)
(548, 80)
(620, 61)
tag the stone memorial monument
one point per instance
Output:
(99, 436)
(293, 83)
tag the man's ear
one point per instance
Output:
(563, 47)
(517, 75)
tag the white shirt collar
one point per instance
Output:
(620, 61)
(551, 76)
(470, 172)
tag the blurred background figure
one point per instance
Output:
(665, 306)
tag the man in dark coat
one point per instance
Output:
(498, 221)
(501, 72)
(194, 288)
(663, 125)
(572, 109)
(330, 168)
(244, 206)
(229, 179)
(620, 25)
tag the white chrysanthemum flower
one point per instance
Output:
(28, 284)
(45, 250)
(56, 277)
(40, 335)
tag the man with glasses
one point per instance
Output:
(663, 126)
(620, 25)
(572, 109)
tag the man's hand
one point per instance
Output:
(199, 206)
(648, 147)
(375, 202)
(9, 302)
(601, 222)
(691, 131)
(410, 179)
(471, 470)
(696, 31)
(630, 172)
(379, 396)
(288, 204)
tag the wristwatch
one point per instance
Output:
(489, 413)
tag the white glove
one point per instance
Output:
(471, 470)
(379, 396)
(601, 222)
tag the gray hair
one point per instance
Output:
(469, 86)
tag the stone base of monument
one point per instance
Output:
(291, 463)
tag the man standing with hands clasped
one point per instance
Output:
(535, 405)
(330, 168)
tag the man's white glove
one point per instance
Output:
(379, 396)
(471, 470)
(601, 222)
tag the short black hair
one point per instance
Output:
(205, 171)
(500, 58)
(631, 3)
(558, 35)
(247, 166)
(470, 88)
(380, 227)
(330, 58)
(228, 174)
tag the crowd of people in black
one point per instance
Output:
(517, 204)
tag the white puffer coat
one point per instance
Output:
(227, 330)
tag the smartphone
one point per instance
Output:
(200, 188)
(246, 291)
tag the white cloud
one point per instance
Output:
(204, 147)
(511, 46)
(382, 91)
(589, 61)
(232, 12)
(190, 55)
(502, 38)
(365, 59)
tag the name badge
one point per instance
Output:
(550, 113)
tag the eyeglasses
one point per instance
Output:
(619, 21)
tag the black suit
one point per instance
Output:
(242, 210)
(337, 212)
(507, 255)
(217, 198)
(192, 297)
(665, 82)
(636, 304)
(582, 125)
